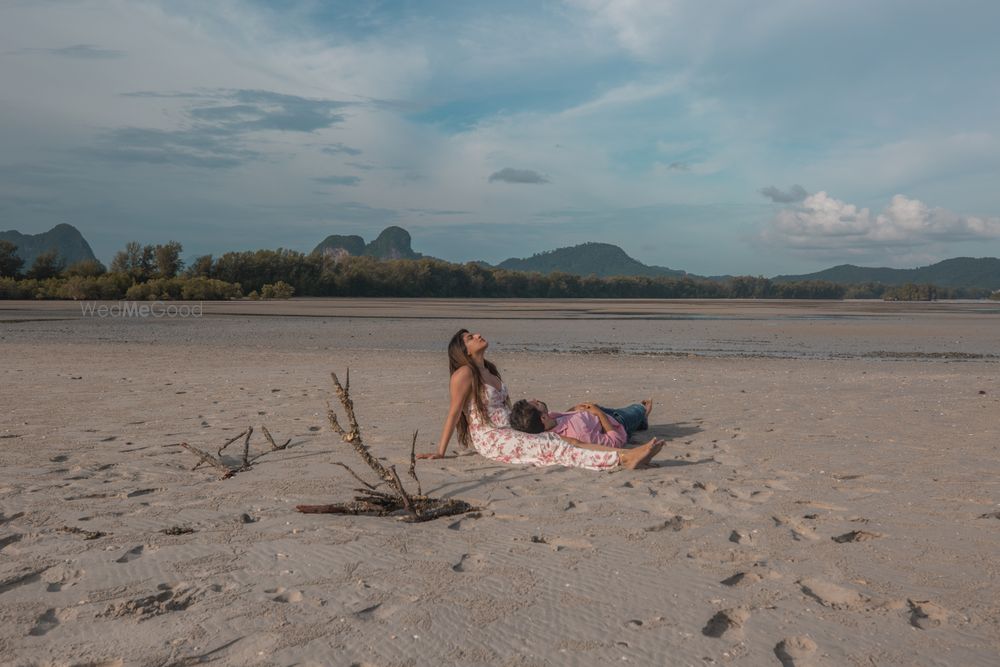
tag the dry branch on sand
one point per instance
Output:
(246, 462)
(371, 501)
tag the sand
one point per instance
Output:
(829, 493)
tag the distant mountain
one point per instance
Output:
(351, 245)
(602, 259)
(392, 243)
(64, 239)
(982, 273)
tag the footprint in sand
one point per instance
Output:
(7, 519)
(50, 619)
(925, 614)
(469, 563)
(636, 624)
(741, 579)
(796, 651)
(60, 576)
(9, 540)
(676, 523)
(799, 530)
(284, 595)
(562, 543)
(832, 595)
(821, 505)
(749, 578)
(777, 485)
(727, 621)
(177, 597)
(140, 492)
(741, 537)
(131, 554)
(856, 536)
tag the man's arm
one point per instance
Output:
(608, 436)
(601, 415)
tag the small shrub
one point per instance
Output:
(279, 290)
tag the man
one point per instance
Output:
(585, 422)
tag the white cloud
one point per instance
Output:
(825, 225)
(630, 94)
(779, 196)
(639, 26)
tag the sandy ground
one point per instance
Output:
(789, 425)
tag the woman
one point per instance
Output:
(480, 411)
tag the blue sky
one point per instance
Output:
(726, 137)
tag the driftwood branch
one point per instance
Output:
(413, 462)
(274, 446)
(417, 507)
(356, 476)
(247, 460)
(231, 441)
(246, 447)
(205, 457)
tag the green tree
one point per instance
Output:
(136, 260)
(201, 267)
(279, 290)
(167, 259)
(46, 265)
(86, 268)
(10, 263)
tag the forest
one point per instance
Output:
(151, 272)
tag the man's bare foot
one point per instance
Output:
(639, 457)
(648, 404)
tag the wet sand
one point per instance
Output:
(829, 493)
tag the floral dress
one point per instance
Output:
(500, 442)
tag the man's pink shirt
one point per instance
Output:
(586, 427)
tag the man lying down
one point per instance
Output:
(586, 423)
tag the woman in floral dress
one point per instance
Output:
(480, 410)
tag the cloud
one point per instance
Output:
(204, 147)
(338, 148)
(823, 224)
(794, 194)
(679, 166)
(219, 125)
(266, 110)
(436, 211)
(81, 51)
(517, 176)
(338, 180)
(639, 26)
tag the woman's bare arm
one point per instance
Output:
(459, 389)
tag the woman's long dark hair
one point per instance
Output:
(458, 356)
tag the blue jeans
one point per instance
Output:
(632, 417)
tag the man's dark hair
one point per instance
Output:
(526, 417)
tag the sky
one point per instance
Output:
(730, 137)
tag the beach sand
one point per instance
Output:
(829, 493)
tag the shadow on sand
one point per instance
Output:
(673, 431)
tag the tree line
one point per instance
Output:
(149, 272)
